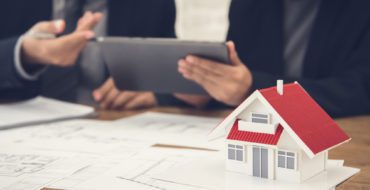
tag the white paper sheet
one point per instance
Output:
(39, 110)
(135, 172)
(64, 153)
(21, 168)
(93, 154)
(209, 173)
(171, 129)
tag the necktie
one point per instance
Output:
(298, 22)
(92, 71)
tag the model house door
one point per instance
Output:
(260, 162)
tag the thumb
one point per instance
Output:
(52, 27)
(233, 54)
(88, 21)
(76, 38)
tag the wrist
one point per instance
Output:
(29, 53)
(24, 69)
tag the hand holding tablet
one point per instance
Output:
(229, 84)
(174, 66)
(144, 64)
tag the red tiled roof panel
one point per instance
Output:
(261, 138)
(305, 117)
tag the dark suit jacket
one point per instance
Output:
(133, 18)
(337, 62)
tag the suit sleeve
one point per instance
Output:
(170, 18)
(344, 93)
(12, 85)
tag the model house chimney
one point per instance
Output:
(280, 86)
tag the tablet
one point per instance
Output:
(150, 64)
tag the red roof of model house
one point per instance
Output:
(302, 118)
(262, 138)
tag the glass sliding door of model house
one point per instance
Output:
(260, 162)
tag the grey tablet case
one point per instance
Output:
(147, 64)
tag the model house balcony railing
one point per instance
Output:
(257, 127)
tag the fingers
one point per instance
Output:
(101, 92)
(141, 100)
(208, 65)
(110, 97)
(127, 100)
(52, 27)
(88, 21)
(73, 42)
(233, 54)
(196, 73)
(122, 99)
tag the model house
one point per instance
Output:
(280, 133)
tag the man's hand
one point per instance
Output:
(109, 97)
(229, 84)
(62, 51)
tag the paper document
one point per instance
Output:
(38, 110)
(135, 172)
(85, 154)
(171, 129)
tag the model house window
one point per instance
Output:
(260, 118)
(235, 152)
(287, 160)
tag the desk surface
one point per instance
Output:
(356, 153)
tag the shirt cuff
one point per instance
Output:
(19, 67)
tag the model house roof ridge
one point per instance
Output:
(275, 88)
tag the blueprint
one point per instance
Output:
(89, 154)
(14, 165)
(171, 129)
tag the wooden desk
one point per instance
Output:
(356, 153)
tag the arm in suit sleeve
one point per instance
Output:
(340, 96)
(12, 85)
(345, 92)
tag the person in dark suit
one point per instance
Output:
(74, 68)
(322, 44)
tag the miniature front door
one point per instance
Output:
(260, 162)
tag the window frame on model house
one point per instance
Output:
(259, 118)
(234, 152)
(284, 158)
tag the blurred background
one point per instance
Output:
(204, 20)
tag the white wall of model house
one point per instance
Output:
(286, 143)
(246, 166)
(304, 167)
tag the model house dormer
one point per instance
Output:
(279, 133)
(258, 122)
(259, 119)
